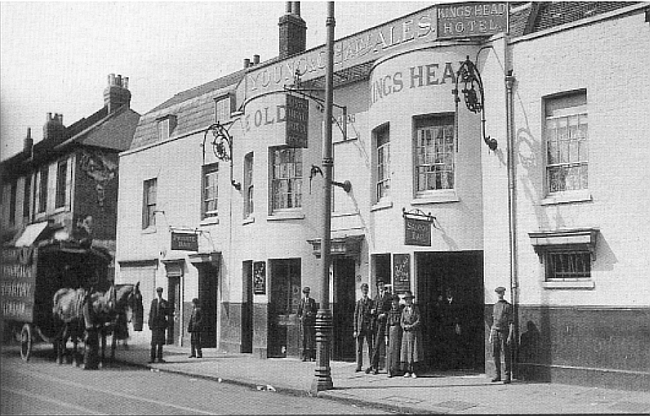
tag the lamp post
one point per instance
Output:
(323, 373)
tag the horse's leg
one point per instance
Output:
(59, 345)
(103, 357)
(113, 344)
(75, 340)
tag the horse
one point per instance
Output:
(71, 316)
(123, 301)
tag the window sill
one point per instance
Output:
(209, 221)
(567, 197)
(578, 284)
(436, 197)
(285, 215)
(381, 205)
(248, 220)
(149, 230)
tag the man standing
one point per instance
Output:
(195, 328)
(382, 307)
(363, 325)
(158, 314)
(501, 335)
(307, 316)
(451, 330)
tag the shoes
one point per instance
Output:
(495, 379)
(390, 375)
(375, 371)
(199, 356)
(368, 370)
(357, 370)
(506, 381)
(161, 361)
(407, 375)
(192, 356)
(303, 359)
(150, 362)
(413, 375)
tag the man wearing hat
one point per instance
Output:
(158, 314)
(501, 335)
(307, 316)
(363, 325)
(382, 307)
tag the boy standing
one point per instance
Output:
(194, 328)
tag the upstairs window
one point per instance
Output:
(223, 108)
(42, 189)
(286, 179)
(566, 139)
(210, 204)
(27, 194)
(249, 206)
(12, 202)
(149, 203)
(434, 154)
(166, 126)
(382, 141)
(61, 181)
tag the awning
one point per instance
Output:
(30, 234)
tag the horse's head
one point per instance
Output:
(127, 296)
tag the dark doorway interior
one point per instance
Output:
(208, 279)
(462, 273)
(174, 291)
(247, 308)
(285, 298)
(343, 308)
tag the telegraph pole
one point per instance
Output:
(323, 372)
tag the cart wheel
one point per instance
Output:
(26, 340)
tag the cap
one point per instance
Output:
(306, 289)
(500, 289)
(159, 289)
(394, 298)
(195, 301)
(408, 295)
(364, 285)
(380, 281)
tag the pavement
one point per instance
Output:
(458, 392)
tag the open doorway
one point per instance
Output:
(343, 308)
(451, 299)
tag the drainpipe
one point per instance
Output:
(512, 202)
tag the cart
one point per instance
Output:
(31, 275)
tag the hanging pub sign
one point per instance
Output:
(461, 20)
(297, 121)
(259, 278)
(185, 241)
(401, 273)
(417, 232)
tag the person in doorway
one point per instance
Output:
(411, 349)
(451, 312)
(393, 331)
(195, 327)
(363, 325)
(158, 321)
(382, 307)
(307, 315)
(501, 335)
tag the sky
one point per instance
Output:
(55, 56)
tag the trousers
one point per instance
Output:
(500, 345)
(367, 335)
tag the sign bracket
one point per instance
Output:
(418, 214)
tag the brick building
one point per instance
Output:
(542, 209)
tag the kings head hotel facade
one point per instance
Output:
(475, 145)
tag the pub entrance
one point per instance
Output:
(208, 284)
(343, 308)
(284, 329)
(459, 275)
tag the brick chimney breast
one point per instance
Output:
(293, 31)
(117, 92)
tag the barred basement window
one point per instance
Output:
(568, 265)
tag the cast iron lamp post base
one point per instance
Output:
(323, 372)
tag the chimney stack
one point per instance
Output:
(28, 144)
(117, 93)
(293, 31)
(53, 128)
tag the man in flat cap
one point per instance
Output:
(501, 335)
(307, 315)
(380, 313)
(158, 321)
(363, 325)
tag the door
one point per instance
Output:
(343, 308)
(208, 284)
(174, 291)
(247, 308)
(285, 297)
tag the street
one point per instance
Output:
(43, 387)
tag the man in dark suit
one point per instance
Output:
(363, 325)
(382, 307)
(195, 327)
(452, 330)
(307, 316)
(158, 316)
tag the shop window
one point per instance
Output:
(61, 180)
(149, 203)
(210, 204)
(286, 178)
(249, 206)
(42, 189)
(434, 154)
(566, 139)
(223, 108)
(382, 143)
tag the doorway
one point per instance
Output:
(208, 287)
(175, 299)
(446, 347)
(247, 307)
(285, 297)
(343, 308)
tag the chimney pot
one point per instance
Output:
(288, 8)
(247, 63)
(295, 8)
(125, 83)
(256, 59)
(48, 117)
(29, 142)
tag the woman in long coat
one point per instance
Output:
(394, 337)
(411, 338)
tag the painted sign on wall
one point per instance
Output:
(297, 121)
(401, 273)
(259, 278)
(471, 19)
(185, 241)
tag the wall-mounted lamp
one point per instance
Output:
(473, 94)
(221, 147)
(345, 185)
